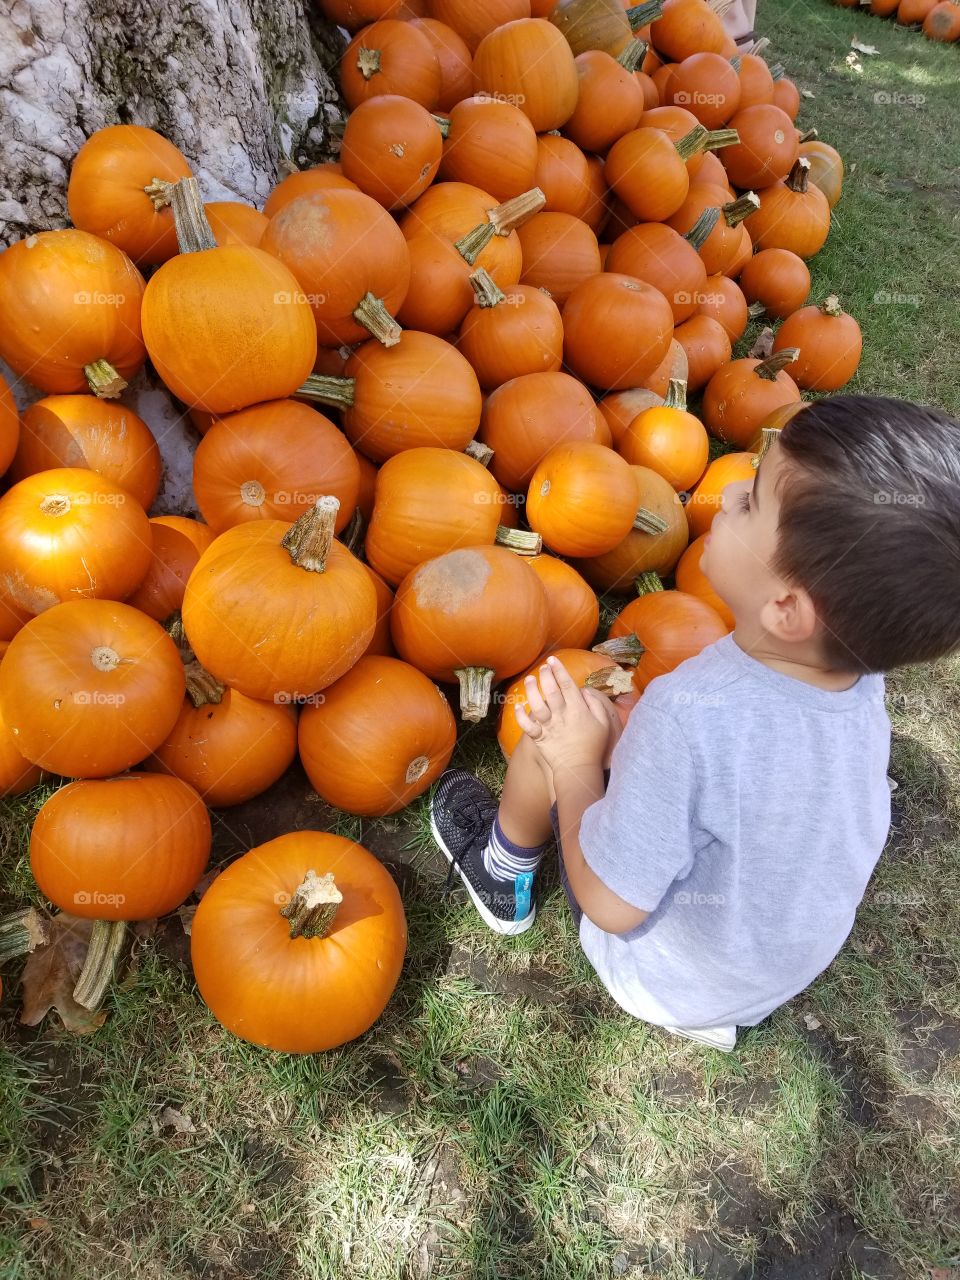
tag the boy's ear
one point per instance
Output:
(790, 615)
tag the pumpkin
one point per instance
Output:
(119, 190)
(393, 59)
(621, 407)
(456, 63)
(177, 543)
(314, 973)
(381, 736)
(776, 279)
(793, 215)
(225, 327)
(428, 502)
(767, 150)
(71, 307)
(512, 334)
(580, 664)
(563, 175)
(685, 28)
(483, 231)
(743, 256)
(712, 223)
(440, 292)
(272, 462)
(616, 330)
(826, 169)
(668, 440)
(381, 643)
(672, 626)
(86, 432)
(883, 8)
(66, 533)
(10, 425)
(472, 21)
(724, 302)
(474, 615)
(529, 63)
(712, 173)
(322, 177)
(704, 502)
(491, 145)
(708, 86)
(573, 611)
(942, 22)
(349, 259)
(233, 222)
(592, 24)
(391, 149)
(524, 418)
(739, 397)
(786, 95)
(354, 14)
(610, 102)
(126, 848)
(657, 255)
(582, 499)
(673, 365)
(912, 13)
(17, 774)
(228, 747)
(559, 252)
(322, 613)
(89, 688)
(420, 392)
(654, 543)
(706, 345)
(12, 618)
(597, 210)
(830, 344)
(691, 579)
(646, 169)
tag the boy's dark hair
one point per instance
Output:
(870, 528)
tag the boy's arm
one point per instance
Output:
(577, 788)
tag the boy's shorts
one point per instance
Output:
(575, 909)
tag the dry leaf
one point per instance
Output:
(763, 346)
(38, 1224)
(186, 915)
(171, 1118)
(863, 48)
(805, 93)
(205, 881)
(812, 1023)
(51, 973)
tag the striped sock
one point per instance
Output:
(505, 860)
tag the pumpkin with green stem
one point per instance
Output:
(793, 214)
(607, 25)
(610, 102)
(647, 170)
(670, 262)
(507, 335)
(830, 344)
(482, 231)
(582, 499)
(826, 167)
(669, 440)
(671, 626)
(653, 545)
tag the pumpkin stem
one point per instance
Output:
(798, 178)
(736, 62)
(633, 55)
(160, 192)
(647, 583)
(173, 626)
(376, 319)
(514, 213)
(831, 306)
(778, 70)
(649, 522)
(202, 687)
(611, 681)
(700, 232)
(368, 62)
(21, 932)
(479, 452)
(193, 230)
(811, 135)
(767, 437)
(737, 210)
(524, 541)
(758, 46)
(769, 368)
(476, 688)
(103, 379)
(676, 397)
(354, 532)
(337, 392)
(443, 124)
(474, 242)
(313, 906)
(693, 143)
(641, 15)
(485, 288)
(310, 538)
(718, 138)
(106, 943)
(756, 310)
(627, 650)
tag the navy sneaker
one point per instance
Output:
(461, 818)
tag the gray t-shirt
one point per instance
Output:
(746, 811)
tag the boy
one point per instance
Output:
(748, 799)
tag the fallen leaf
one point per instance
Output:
(868, 49)
(805, 93)
(205, 881)
(171, 1118)
(763, 346)
(51, 973)
(186, 915)
(38, 1224)
(812, 1023)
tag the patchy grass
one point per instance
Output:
(504, 1118)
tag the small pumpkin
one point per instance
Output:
(321, 177)
(740, 397)
(704, 502)
(582, 499)
(660, 257)
(911, 13)
(591, 24)
(653, 545)
(724, 302)
(314, 973)
(942, 22)
(621, 407)
(483, 231)
(17, 774)
(573, 611)
(393, 59)
(826, 168)
(616, 330)
(455, 59)
(691, 579)
(580, 664)
(830, 345)
(391, 149)
(90, 688)
(379, 738)
(669, 440)
(778, 280)
(563, 175)
(177, 543)
(647, 170)
(671, 626)
(491, 145)
(9, 425)
(610, 102)
(793, 215)
(706, 345)
(559, 252)
(507, 335)
(472, 21)
(233, 222)
(708, 86)
(528, 62)
(712, 223)
(756, 81)
(687, 27)
(767, 150)
(440, 292)
(786, 95)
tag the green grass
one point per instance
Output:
(504, 1118)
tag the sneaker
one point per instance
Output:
(461, 818)
(723, 1038)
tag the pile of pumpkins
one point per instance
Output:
(938, 19)
(548, 226)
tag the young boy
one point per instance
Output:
(719, 871)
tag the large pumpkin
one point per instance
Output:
(378, 738)
(529, 62)
(616, 330)
(830, 345)
(177, 543)
(664, 259)
(126, 848)
(298, 944)
(67, 533)
(582, 499)
(672, 626)
(71, 306)
(322, 606)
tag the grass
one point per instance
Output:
(504, 1118)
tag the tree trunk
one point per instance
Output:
(245, 88)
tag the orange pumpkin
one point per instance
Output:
(559, 252)
(616, 330)
(391, 149)
(610, 102)
(669, 440)
(767, 150)
(491, 145)
(9, 425)
(704, 502)
(691, 579)
(390, 58)
(517, 333)
(177, 544)
(381, 644)
(90, 688)
(712, 223)
(706, 345)
(529, 62)
(573, 611)
(314, 973)
(826, 169)
(470, 218)
(582, 499)
(322, 177)
(379, 738)
(672, 626)
(708, 86)
(793, 215)
(687, 27)
(740, 397)
(563, 175)
(724, 302)
(472, 21)
(455, 59)
(657, 255)
(756, 81)
(911, 13)
(71, 305)
(786, 95)
(942, 22)
(778, 280)
(119, 190)
(440, 292)
(647, 170)
(830, 344)
(653, 545)
(579, 663)
(86, 432)
(673, 365)
(233, 222)
(17, 774)
(621, 407)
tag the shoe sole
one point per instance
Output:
(509, 928)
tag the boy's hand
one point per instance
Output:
(570, 726)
